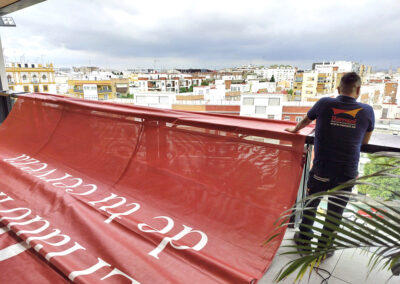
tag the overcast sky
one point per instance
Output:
(205, 34)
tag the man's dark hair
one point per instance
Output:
(349, 82)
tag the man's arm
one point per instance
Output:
(303, 123)
(367, 136)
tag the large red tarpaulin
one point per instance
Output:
(96, 192)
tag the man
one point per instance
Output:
(342, 126)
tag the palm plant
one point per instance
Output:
(374, 226)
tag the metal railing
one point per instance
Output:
(391, 144)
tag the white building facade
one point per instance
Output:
(262, 105)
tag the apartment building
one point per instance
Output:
(279, 72)
(262, 105)
(155, 99)
(24, 77)
(261, 86)
(372, 94)
(342, 66)
(231, 108)
(391, 89)
(310, 83)
(298, 86)
(294, 111)
(98, 89)
(325, 83)
(167, 82)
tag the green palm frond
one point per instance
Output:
(374, 227)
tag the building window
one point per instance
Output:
(298, 118)
(286, 117)
(248, 101)
(26, 89)
(36, 89)
(164, 100)
(274, 101)
(271, 116)
(44, 77)
(24, 77)
(106, 96)
(261, 109)
(9, 79)
(45, 88)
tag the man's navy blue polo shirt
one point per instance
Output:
(341, 125)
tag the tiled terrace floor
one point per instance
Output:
(346, 267)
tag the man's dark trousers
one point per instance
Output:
(317, 183)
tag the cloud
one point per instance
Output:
(206, 33)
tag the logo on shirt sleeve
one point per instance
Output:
(345, 117)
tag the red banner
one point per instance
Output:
(96, 192)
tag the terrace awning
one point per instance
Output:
(9, 6)
(99, 192)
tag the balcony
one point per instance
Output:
(346, 267)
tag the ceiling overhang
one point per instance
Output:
(9, 6)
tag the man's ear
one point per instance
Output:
(358, 90)
(338, 90)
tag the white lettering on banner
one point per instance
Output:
(8, 198)
(45, 174)
(65, 252)
(116, 271)
(100, 264)
(16, 249)
(111, 197)
(13, 250)
(20, 158)
(94, 188)
(30, 169)
(165, 230)
(13, 210)
(36, 219)
(117, 204)
(112, 201)
(187, 230)
(79, 181)
(27, 162)
(116, 215)
(56, 233)
(61, 178)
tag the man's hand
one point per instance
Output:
(291, 129)
(303, 123)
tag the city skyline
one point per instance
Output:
(209, 34)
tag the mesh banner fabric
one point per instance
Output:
(95, 192)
